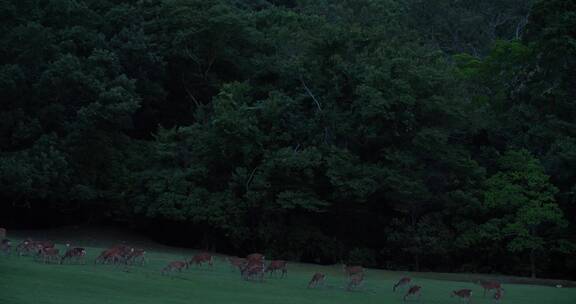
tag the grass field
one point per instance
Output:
(23, 281)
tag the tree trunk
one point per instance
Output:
(417, 261)
(533, 263)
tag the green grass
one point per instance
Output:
(23, 281)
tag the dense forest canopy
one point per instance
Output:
(403, 134)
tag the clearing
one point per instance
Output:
(23, 281)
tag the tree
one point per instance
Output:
(521, 204)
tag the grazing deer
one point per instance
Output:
(276, 266)
(489, 285)
(102, 257)
(6, 246)
(116, 254)
(237, 263)
(403, 282)
(498, 295)
(175, 266)
(76, 253)
(317, 278)
(253, 271)
(355, 280)
(2, 233)
(202, 258)
(465, 294)
(352, 270)
(414, 290)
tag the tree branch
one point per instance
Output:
(250, 178)
(311, 94)
(190, 94)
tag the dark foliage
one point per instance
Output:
(427, 135)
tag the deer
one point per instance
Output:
(253, 271)
(116, 257)
(256, 258)
(355, 280)
(39, 248)
(317, 278)
(77, 253)
(24, 247)
(43, 244)
(136, 256)
(276, 266)
(498, 295)
(116, 254)
(237, 263)
(2, 233)
(102, 257)
(254, 267)
(489, 285)
(29, 246)
(465, 294)
(48, 254)
(6, 246)
(202, 258)
(175, 266)
(352, 270)
(414, 290)
(401, 283)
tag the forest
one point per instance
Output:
(424, 135)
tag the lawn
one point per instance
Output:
(23, 281)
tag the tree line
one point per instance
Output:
(424, 135)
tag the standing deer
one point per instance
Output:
(202, 258)
(28, 246)
(136, 256)
(317, 278)
(490, 285)
(40, 248)
(414, 290)
(174, 266)
(49, 254)
(254, 267)
(2, 233)
(6, 246)
(23, 247)
(355, 280)
(256, 258)
(465, 294)
(253, 271)
(276, 266)
(401, 283)
(44, 244)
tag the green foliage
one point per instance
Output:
(41, 172)
(299, 128)
(520, 202)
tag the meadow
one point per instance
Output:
(23, 281)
